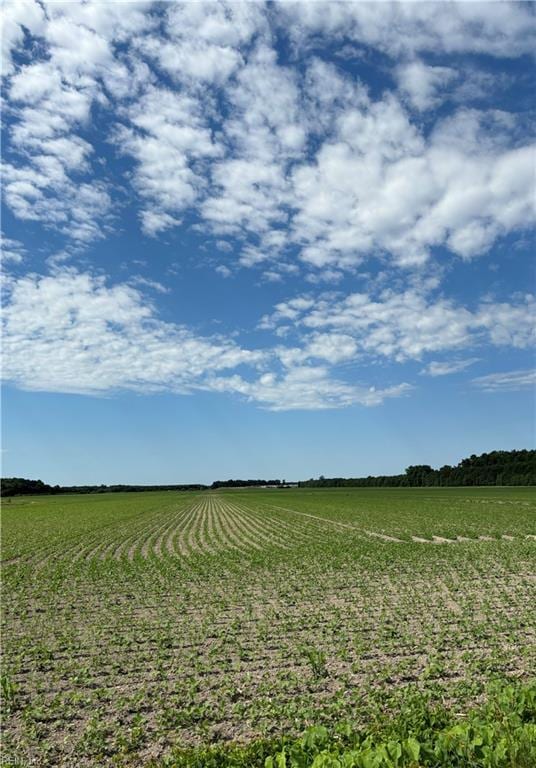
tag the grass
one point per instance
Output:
(302, 627)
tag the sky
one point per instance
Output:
(265, 240)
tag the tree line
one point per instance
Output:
(244, 483)
(494, 468)
(20, 486)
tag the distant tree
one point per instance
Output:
(15, 486)
(494, 468)
(420, 474)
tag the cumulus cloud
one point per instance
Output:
(45, 193)
(262, 136)
(446, 367)
(292, 158)
(146, 282)
(11, 250)
(421, 83)
(397, 29)
(510, 381)
(50, 102)
(202, 40)
(406, 326)
(247, 122)
(167, 135)
(508, 324)
(379, 186)
(72, 332)
(425, 86)
(224, 271)
(24, 14)
(306, 388)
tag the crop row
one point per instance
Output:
(208, 618)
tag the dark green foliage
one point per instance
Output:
(495, 468)
(15, 486)
(499, 734)
(19, 486)
(243, 483)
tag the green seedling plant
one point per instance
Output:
(317, 661)
(303, 626)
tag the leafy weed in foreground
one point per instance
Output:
(500, 734)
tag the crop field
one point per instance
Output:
(140, 627)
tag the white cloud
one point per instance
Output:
(511, 381)
(193, 59)
(494, 28)
(262, 135)
(510, 325)
(153, 222)
(446, 367)
(379, 187)
(202, 39)
(168, 134)
(425, 86)
(294, 157)
(272, 276)
(14, 18)
(70, 332)
(328, 91)
(45, 193)
(286, 154)
(50, 102)
(224, 23)
(306, 388)
(148, 283)
(11, 250)
(421, 83)
(247, 196)
(287, 310)
(224, 271)
(408, 325)
(324, 276)
(332, 348)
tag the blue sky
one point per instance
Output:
(265, 240)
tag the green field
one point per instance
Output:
(145, 627)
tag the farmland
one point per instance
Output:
(138, 626)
